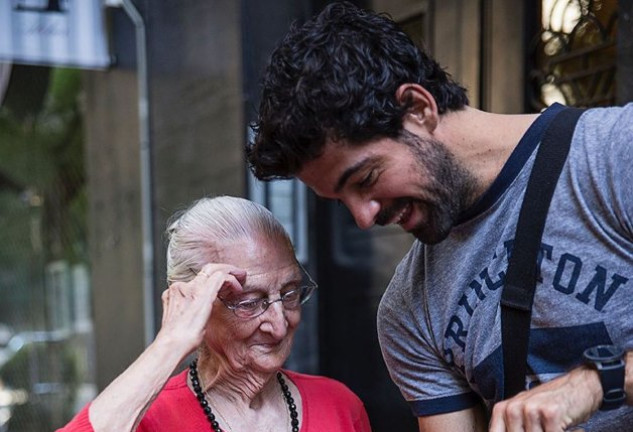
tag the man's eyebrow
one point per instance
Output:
(350, 171)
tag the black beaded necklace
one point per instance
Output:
(195, 382)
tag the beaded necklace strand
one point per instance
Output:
(204, 404)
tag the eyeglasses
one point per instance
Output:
(253, 308)
(291, 300)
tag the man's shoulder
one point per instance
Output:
(613, 117)
(405, 288)
(407, 271)
(413, 259)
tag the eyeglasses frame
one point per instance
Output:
(312, 287)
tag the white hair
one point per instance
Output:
(196, 235)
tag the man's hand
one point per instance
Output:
(554, 406)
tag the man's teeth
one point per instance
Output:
(401, 214)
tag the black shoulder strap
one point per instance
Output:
(520, 280)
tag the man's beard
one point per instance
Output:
(449, 189)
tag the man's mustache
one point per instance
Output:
(387, 214)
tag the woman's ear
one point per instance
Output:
(422, 108)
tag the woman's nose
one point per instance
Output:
(274, 319)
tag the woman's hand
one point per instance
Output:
(187, 306)
(186, 309)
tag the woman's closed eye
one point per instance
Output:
(250, 303)
(291, 295)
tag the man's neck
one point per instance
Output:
(482, 141)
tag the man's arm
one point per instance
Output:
(469, 420)
(558, 404)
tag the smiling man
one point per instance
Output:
(420, 185)
(356, 111)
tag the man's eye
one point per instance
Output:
(367, 180)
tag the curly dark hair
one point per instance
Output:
(335, 78)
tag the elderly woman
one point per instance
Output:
(235, 295)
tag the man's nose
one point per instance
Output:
(364, 212)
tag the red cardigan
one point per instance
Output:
(328, 405)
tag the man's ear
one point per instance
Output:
(422, 108)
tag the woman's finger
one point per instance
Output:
(222, 276)
(240, 275)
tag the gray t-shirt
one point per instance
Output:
(439, 319)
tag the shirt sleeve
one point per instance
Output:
(80, 423)
(602, 175)
(362, 423)
(621, 141)
(415, 362)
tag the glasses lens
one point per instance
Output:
(306, 292)
(249, 308)
(290, 300)
(307, 286)
(295, 298)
